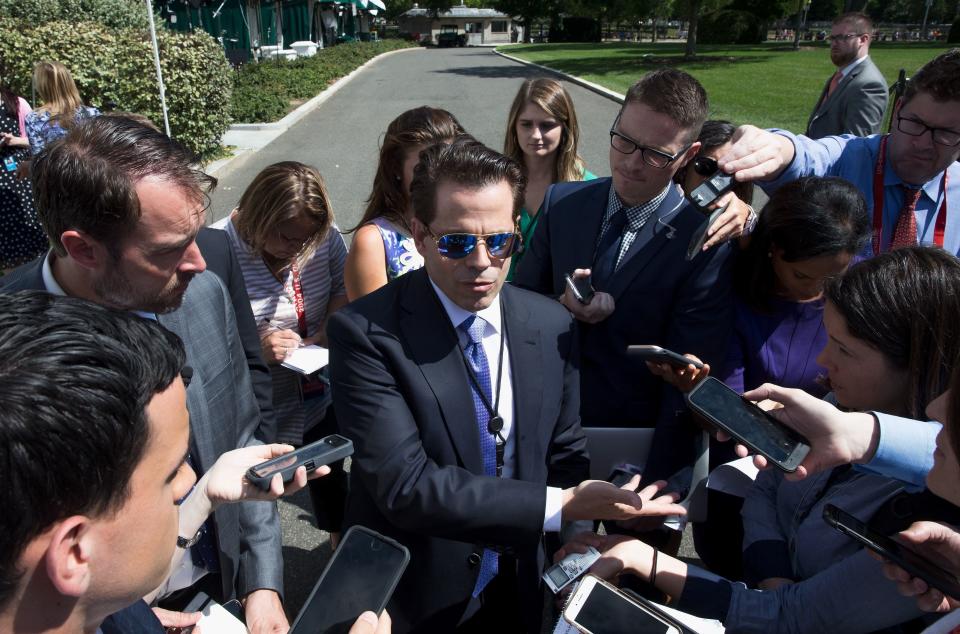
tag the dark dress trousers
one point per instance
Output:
(660, 298)
(402, 395)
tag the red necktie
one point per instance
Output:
(905, 233)
(834, 81)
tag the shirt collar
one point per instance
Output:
(53, 287)
(490, 314)
(931, 188)
(845, 71)
(638, 214)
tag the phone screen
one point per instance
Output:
(360, 577)
(746, 421)
(607, 612)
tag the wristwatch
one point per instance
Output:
(184, 543)
(751, 223)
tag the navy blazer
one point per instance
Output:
(402, 395)
(661, 299)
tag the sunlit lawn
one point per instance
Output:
(767, 85)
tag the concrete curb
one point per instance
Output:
(589, 85)
(247, 138)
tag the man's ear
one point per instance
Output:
(897, 105)
(420, 233)
(691, 152)
(68, 556)
(84, 250)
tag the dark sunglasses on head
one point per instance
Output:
(705, 166)
(459, 245)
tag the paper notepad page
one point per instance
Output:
(307, 360)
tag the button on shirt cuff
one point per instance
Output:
(553, 510)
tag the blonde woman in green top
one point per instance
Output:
(542, 135)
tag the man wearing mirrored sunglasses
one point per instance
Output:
(854, 99)
(630, 234)
(461, 396)
(909, 178)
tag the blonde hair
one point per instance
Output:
(551, 97)
(57, 90)
(283, 191)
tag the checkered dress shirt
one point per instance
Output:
(637, 216)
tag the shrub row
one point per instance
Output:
(113, 13)
(265, 91)
(115, 66)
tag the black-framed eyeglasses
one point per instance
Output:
(457, 246)
(843, 36)
(942, 136)
(652, 157)
(705, 166)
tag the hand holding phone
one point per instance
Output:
(749, 424)
(895, 551)
(317, 454)
(361, 577)
(656, 354)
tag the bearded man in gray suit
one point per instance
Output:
(122, 205)
(854, 99)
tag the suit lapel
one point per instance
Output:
(526, 364)
(433, 347)
(201, 442)
(587, 230)
(647, 244)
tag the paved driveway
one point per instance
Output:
(342, 138)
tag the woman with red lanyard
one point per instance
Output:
(292, 258)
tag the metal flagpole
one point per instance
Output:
(156, 61)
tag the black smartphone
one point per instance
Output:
(710, 189)
(362, 575)
(898, 553)
(596, 607)
(657, 354)
(316, 454)
(581, 288)
(748, 424)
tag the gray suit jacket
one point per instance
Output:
(856, 107)
(223, 416)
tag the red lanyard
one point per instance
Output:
(941, 225)
(298, 300)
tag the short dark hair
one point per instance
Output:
(905, 304)
(939, 78)
(674, 93)
(860, 21)
(806, 218)
(87, 180)
(464, 162)
(75, 378)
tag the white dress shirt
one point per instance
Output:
(491, 347)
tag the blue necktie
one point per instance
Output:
(473, 327)
(608, 251)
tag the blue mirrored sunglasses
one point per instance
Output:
(459, 245)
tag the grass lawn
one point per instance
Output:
(768, 85)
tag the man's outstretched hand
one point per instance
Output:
(599, 500)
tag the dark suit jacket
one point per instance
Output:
(856, 107)
(661, 299)
(222, 260)
(223, 416)
(402, 395)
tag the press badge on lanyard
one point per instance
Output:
(10, 164)
(312, 386)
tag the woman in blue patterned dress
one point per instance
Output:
(383, 248)
(61, 109)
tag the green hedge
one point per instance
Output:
(113, 13)
(264, 92)
(116, 66)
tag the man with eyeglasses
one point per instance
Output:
(461, 396)
(630, 235)
(854, 99)
(909, 178)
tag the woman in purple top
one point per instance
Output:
(809, 230)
